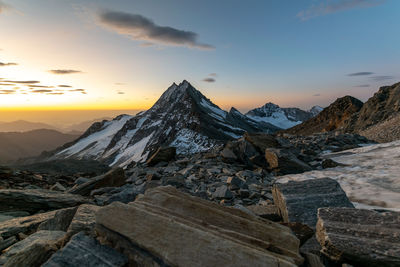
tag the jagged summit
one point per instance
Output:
(182, 117)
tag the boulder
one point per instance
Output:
(299, 201)
(29, 224)
(113, 178)
(33, 250)
(61, 220)
(360, 237)
(222, 192)
(301, 231)
(284, 162)
(83, 250)
(163, 154)
(261, 141)
(181, 230)
(34, 200)
(84, 220)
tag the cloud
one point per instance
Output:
(22, 82)
(120, 93)
(55, 93)
(119, 83)
(77, 90)
(209, 80)
(7, 84)
(381, 78)
(363, 73)
(40, 86)
(3, 6)
(329, 7)
(141, 28)
(213, 74)
(362, 85)
(65, 86)
(317, 95)
(7, 92)
(61, 72)
(42, 91)
(2, 64)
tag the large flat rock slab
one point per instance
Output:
(360, 237)
(176, 229)
(35, 200)
(299, 201)
(83, 250)
(84, 220)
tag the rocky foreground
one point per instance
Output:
(223, 207)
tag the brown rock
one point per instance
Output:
(181, 230)
(269, 212)
(163, 154)
(284, 161)
(113, 178)
(360, 237)
(84, 220)
(261, 141)
(301, 231)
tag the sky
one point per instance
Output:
(121, 55)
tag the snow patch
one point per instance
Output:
(371, 179)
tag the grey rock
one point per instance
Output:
(26, 225)
(7, 242)
(284, 161)
(222, 192)
(61, 220)
(33, 250)
(36, 200)
(113, 178)
(299, 201)
(83, 250)
(360, 237)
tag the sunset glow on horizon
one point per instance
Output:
(122, 55)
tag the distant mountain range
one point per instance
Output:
(184, 118)
(15, 145)
(25, 126)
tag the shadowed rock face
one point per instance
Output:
(188, 231)
(299, 201)
(378, 108)
(334, 117)
(360, 237)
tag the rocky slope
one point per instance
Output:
(215, 208)
(282, 118)
(183, 118)
(334, 117)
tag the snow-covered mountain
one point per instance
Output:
(183, 117)
(283, 118)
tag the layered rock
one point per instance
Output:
(33, 250)
(236, 236)
(83, 250)
(299, 201)
(360, 237)
(33, 201)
